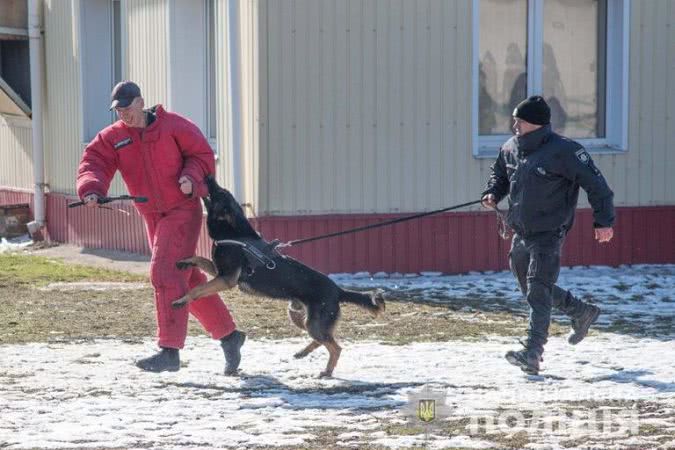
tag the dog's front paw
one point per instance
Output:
(178, 304)
(326, 374)
(300, 355)
(184, 264)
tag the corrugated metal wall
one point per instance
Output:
(367, 107)
(63, 106)
(224, 133)
(463, 242)
(645, 175)
(252, 93)
(147, 47)
(16, 146)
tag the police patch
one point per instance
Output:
(583, 156)
(122, 143)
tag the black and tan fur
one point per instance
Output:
(314, 299)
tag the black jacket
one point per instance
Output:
(541, 173)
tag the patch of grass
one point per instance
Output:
(658, 326)
(649, 429)
(403, 430)
(17, 269)
(31, 315)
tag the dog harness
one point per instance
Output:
(258, 252)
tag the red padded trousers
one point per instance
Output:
(173, 236)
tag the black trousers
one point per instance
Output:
(535, 262)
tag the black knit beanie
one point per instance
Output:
(534, 110)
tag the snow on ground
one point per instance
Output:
(14, 244)
(89, 395)
(64, 395)
(642, 295)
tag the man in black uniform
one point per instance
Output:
(541, 173)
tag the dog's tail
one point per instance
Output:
(373, 302)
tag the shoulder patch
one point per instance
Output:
(122, 143)
(582, 155)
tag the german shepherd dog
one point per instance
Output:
(314, 299)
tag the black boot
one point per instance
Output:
(232, 348)
(166, 360)
(581, 324)
(527, 359)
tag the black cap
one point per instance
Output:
(123, 94)
(534, 110)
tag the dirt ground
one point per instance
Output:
(39, 315)
(109, 259)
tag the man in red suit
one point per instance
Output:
(164, 157)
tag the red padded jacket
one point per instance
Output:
(150, 160)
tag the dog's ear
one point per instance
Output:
(207, 202)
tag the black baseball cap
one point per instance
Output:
(123, 94)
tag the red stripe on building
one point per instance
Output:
(449, 243)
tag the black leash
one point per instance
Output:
(375, 225)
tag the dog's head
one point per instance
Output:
(226, 219)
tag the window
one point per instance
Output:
(559, 49)
(15, 67)
(101, 62)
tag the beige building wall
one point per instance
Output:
(347, 107)
(252, 96)
(224, 168)
(366, 107)
(644, 176)
(16, 170)
(62, 106)
(146, 35)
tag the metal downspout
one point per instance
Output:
(36, 70)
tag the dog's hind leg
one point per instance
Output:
(197, 261)
(211, 287)
(334, 351)
(321, 323)
(297, 314)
